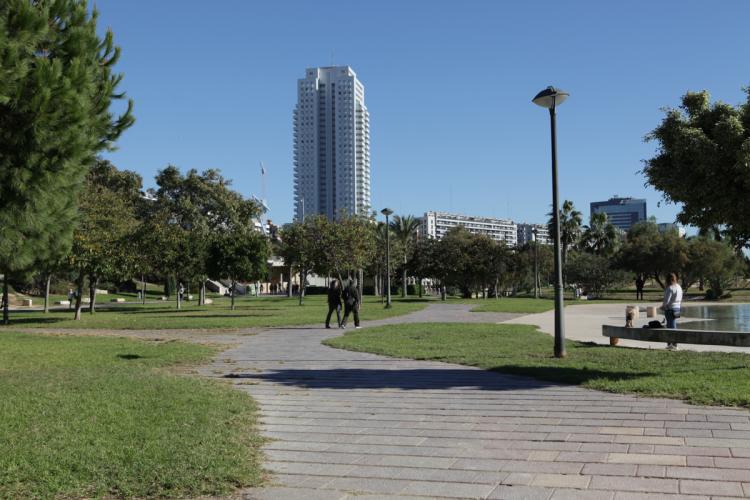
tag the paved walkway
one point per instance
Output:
(345, 424)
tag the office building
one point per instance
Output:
(331, 144)
(436, 224)
(621, 212)
(526, 234)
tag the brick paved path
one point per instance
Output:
(347, 424)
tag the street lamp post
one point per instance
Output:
(387, 212)
(535, 232)
(550, 98)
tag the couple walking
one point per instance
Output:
(350, 296)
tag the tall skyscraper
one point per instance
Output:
(621, 212)
(331, 144)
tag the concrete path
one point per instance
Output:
(584, 322)
(344, 424)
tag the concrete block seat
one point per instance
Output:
(676, 335)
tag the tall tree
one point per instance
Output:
(405, 230)
(570, 228)
(702, 162)
(600, 236)
(648, 252)
(56, 87)
(303, 246)
(103, 241)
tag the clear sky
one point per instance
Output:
(448, 86)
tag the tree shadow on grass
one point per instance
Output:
(432, 378)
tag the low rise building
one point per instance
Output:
(437, 224)
(671, 226)
(526, 234)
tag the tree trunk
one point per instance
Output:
(46, 293)
(79, 296)
(202, 297)
(302, 281)
(6, 300)
(93, 282)
(419, 285)
(179, 298)
(496, 289)
(231, 293)
(360, 279)
(289, 286)
(442, 293)
(143, 290)
(403, 282)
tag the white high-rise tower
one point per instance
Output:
(331, 144)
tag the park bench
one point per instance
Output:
(677, 336)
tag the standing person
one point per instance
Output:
(334, 303)
(639, 283)
(71, 296)
(351, 303)
(671, 304)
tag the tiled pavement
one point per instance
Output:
(345, 424)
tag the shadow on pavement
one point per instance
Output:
(425, 379)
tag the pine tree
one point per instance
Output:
(56, 87)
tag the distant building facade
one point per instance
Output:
(526, 234)
(331, 144)
(437, 224)
(671, 226)
(621, 212)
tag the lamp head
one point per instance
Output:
(550, 97)
(386, 212)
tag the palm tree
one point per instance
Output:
(405, 230)
(600, 236)
(570, 228)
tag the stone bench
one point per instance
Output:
(677, 336)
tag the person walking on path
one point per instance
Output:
(334, 303)
(671, 304)
(351, 303)
(639, 284)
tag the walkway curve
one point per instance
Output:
(346, 424)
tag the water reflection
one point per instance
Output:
(728, 317)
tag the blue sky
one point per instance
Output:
(448, 86)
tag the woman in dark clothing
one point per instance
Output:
(334, 303)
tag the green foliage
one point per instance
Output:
(570, 228)
(101, 417)
(593, 272)
(703, 163)
(713, 261)
(653, 254)
(712, 378)
(56, 87)
(600, 237)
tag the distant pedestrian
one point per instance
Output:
(351, 303)
(334, 303)
(181, 291)
(672, 304)
(639, 284)
(71, 296)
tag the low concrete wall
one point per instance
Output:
(668, 335)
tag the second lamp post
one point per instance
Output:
(387, 212)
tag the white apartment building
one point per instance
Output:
(331, 144)
(436, 224)
(526, 234)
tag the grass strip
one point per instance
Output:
(93, 417)
(698, 377)
(250, 312)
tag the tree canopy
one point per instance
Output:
(702, 162)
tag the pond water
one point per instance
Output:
(729, 317)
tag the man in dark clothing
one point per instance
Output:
(351, 303)
(334, 303)
(639, 284)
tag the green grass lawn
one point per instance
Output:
(250, 312)
(94, 416)
(701, 378)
